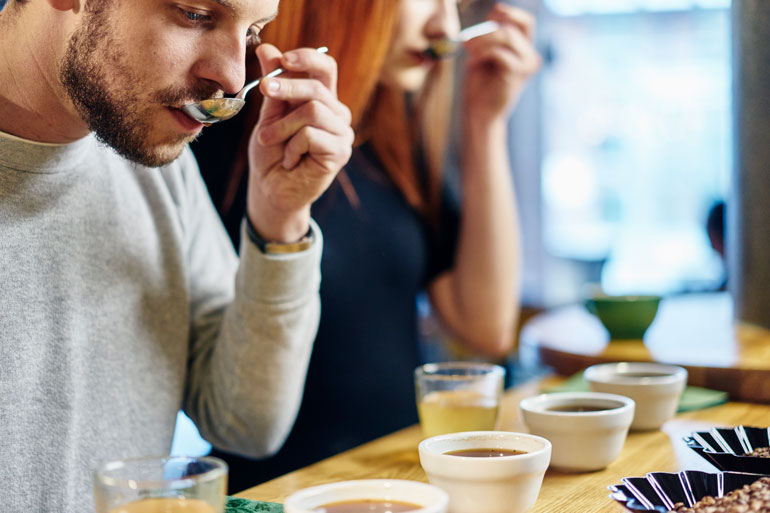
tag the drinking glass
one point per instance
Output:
(176, 484)
(458, 396)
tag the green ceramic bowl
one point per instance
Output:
(625, 317)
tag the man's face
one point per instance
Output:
(131, 64)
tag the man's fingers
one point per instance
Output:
(316, 65)
(329, 151)
(269, 59)
(304, 114)
(312, 113)
(299, 90)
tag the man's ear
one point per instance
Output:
(65, 5)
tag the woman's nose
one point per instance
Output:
(445, 21)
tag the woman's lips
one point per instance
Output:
(420, 57)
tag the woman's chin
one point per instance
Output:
(408, 80)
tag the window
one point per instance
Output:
(636, 141)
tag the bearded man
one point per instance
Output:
(121, 298)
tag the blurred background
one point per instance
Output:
(621, 149)
(622, 146)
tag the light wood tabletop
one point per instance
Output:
(395, 456)
(696, 331)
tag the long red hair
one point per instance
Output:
(358, 34)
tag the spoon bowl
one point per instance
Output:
(214, 110)
(449, 47)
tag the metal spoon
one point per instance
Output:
(444, 48)
(215, 110)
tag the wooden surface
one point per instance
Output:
(695, 331)
(395, 456)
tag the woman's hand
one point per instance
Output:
(499, 64)
(302, 140)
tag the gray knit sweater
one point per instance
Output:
(120, 304)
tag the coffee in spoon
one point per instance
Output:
(448, 47)
(214, 110)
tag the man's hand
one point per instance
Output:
(302, 140)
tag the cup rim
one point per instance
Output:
(613, 373)
(428, 444)
(623, 298)
(540, 403)
(440, 504)
(433, 370)
(101, 476)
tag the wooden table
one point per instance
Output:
(694, 330)
(395, 456)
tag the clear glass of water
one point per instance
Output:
(176, 484)
(458, 396)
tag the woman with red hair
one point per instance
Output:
(390, 225)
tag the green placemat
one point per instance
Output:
(236, 505)
(693, 398)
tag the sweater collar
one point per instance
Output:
(37, 157)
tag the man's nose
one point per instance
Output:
(224, 63)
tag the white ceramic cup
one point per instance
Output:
(582, 441)
(428, 498)
(505, 484)
(655, 387)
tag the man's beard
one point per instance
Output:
(112, 108)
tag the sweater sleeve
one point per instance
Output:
(252, 329)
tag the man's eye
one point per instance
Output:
(196, 16)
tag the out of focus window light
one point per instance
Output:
(636, 142)
(582, 7)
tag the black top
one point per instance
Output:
(376, 259)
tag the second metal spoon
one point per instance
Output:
(444, 48)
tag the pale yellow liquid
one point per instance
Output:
(456, 410)
(165, 506)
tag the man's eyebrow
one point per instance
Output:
(227, 4)
(269, 18)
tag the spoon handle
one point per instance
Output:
(277, 71)
(480, 29)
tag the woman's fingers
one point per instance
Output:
(508, 14)
(511, 38)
